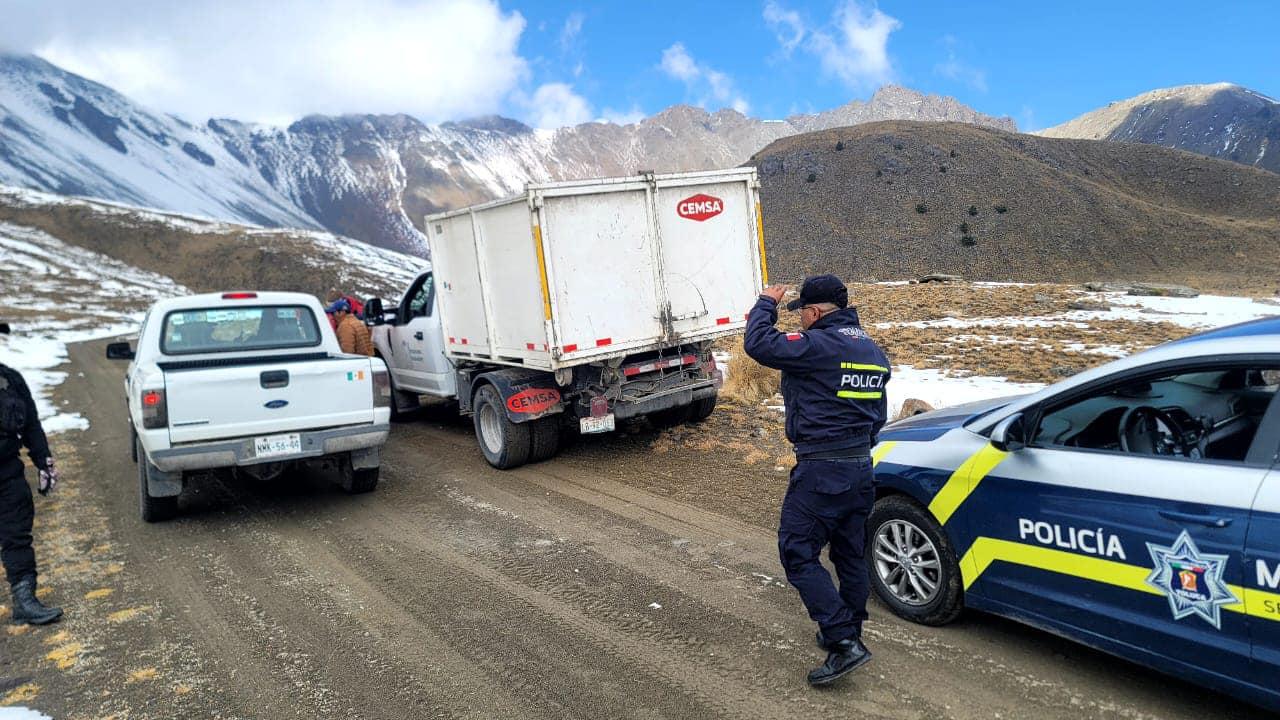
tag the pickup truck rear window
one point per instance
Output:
(239, 329)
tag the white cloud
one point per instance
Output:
(569, 33)
(1027, 119)
(556, 105)
(622, 117)
(955, 69)
(854, 48)
(786, 25)
(435, 59)
(709, 86)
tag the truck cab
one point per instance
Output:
(408, 337)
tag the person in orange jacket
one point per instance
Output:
(353, 336)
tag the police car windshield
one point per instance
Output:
(238, 329)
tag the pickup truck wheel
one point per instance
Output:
(671, 417)
(702, 409)
(363, 481)
(133, 443)
(401, 399)
(544, 438)
(505, 444)
(154, 509)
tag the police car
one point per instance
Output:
(1134, 507)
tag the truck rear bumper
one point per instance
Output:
(684, 395)
(240, 451)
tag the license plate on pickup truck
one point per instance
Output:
(591, 425)
(275, 445)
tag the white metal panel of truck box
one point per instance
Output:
(574, 272)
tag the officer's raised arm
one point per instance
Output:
(769, 346)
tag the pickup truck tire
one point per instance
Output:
(363, 481)
(702, 409)
(401, 399)
(133, 443)
(505, 444)
(544, 438)
(154, 509)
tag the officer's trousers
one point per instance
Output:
(16, 513)
(828, 502)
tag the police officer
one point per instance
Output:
(20, 425)
(833, 384)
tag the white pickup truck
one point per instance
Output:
(577, 305)
(252, 381)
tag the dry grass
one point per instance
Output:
(749, 382)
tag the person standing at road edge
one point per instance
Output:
(353, 336)
(833, 386)
(19, 426)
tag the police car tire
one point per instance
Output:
(514, 450)
(154, 509)
(544, 438)
(949, 602)
(702, 409)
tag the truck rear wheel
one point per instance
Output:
(671, 417)
(505, 444)
(702, 409)
(154, 509)
(544, 438)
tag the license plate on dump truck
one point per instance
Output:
(591, 425)
(275, 445)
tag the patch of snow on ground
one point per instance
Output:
(22, 713)
(59, 294)
(936, 388)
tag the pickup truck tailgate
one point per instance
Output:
(260, 399)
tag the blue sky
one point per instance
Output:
(556, 62)
(1039, 63)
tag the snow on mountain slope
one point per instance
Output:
(58, 294)
(364, 176)
(72, 136)
(1220, 120)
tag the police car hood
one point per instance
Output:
(945, 418)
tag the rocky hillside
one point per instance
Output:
(364, 176)
(1223, 121)
(202, 255)
(896, 200)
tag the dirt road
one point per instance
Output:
(577, 588)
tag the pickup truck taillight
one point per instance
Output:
(155, 412)
(381, 388)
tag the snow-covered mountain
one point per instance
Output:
(371, 177)
(1221, 120)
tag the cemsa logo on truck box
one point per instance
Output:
(700, 207)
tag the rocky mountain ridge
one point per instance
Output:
(1220, 120)
(371, 177)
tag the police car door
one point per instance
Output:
(1138, 552)
(1262, 561)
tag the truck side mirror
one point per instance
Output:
(119, 351)
(373, 313)
(1009, 434)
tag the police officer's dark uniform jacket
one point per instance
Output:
(19, 426)
(833, 380)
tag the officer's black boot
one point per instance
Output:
(26, 608)
(843, 657)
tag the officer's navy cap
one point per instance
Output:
(821, 289)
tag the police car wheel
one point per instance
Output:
(505, 444)
(912, 566)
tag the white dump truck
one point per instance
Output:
(577, 304)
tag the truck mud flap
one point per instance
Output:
(526, 394)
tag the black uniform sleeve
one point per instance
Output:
(791, 352)
(33, 433)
